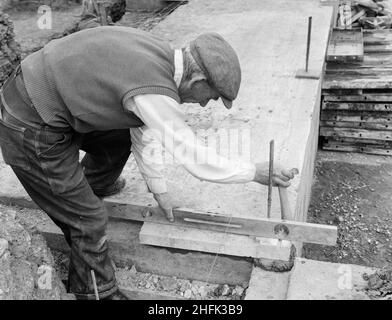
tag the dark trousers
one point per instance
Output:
(46, 162)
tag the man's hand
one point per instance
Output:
(280, 177)
(166, 204)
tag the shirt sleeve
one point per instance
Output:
(165, 120)
(147, 151)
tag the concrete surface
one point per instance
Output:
(267, 285)
(317, 280)
(310, 280)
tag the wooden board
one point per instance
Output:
(357, 125)
(355, 133)
(371, 97)
(377, 37)
(374, 72)
(245, 225)
(357, 106)
(345, 45)
(361, 142)
(359, 149)
(357, 116)
(172, 236)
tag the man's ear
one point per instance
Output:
(195, 78)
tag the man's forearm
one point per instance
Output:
(162, 115)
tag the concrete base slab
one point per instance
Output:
(317, 280)
(267, 285)
(214, 242)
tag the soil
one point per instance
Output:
(379, 284)
(353, 192)
(26, 263)
(32, 38)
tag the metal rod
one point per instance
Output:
(308, 43)
(95, 285)
(270, 174)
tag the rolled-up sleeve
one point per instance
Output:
(147, 151)
(164, 118)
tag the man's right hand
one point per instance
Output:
(280, 177)
(166, 204)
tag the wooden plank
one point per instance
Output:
(381, 48)
(354, 141)
(370, 60)
(336, 81)
(386, 97)
(341, 92)
(344, 15)
(377, 37)
(355, 133)
(357, 106)
(373, 72)
(171, 236)
(359, 149)
(126, 250)
(358, 125)
(345, 45)
(250, 226)
(357, 116)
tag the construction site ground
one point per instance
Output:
(349, 190)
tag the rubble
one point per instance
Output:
(26, 263)
(343, 196)
(379, 284)
(9, 49)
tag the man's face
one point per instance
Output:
(199, 92)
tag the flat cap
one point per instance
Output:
(219, 62)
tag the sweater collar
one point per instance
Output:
(178, 66)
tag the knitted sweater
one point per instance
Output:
(83, 79)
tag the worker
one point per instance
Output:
(100, 90)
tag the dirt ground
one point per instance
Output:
(32, 38)
(353, 191)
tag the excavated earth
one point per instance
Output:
(27, 267)
(353, 192)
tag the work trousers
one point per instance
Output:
(46, 161)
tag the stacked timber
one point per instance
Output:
(356, 107)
